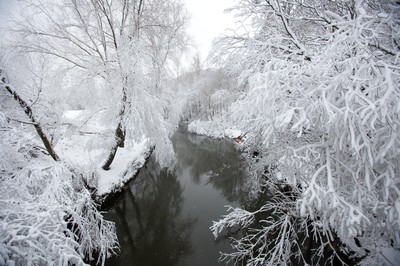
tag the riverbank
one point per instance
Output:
(127, 166)
(217, 128)
(85, 149)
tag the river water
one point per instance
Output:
(163, 217)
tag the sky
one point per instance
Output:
(5, 6)
(208, 20)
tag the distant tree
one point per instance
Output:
(321, 106)
(196, 65)
(208, 94)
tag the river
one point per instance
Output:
(163, 217)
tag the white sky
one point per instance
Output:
(5, 6)
(208, 20)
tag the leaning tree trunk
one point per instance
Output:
(119, 143)
(119, 134)
(28, 111)
(43, 137)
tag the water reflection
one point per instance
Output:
(150, 227)
(212, 161)
(163, 218)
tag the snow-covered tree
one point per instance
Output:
(115, 55)
(47, 212)
(321, 106)
(120, 47)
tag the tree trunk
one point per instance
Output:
(119, 134)
(110, 158)
(28, 111)
(120, 143)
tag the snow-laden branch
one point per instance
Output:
(45, 215)
(328, 126)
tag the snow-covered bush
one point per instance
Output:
(47, 217)
(323, 98)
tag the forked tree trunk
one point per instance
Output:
(28, 111)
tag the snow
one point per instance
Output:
(214, 128)
(84, 148)
(84, 120)
(81, 128)
(232, 133)
(118, 175)
(73, 114)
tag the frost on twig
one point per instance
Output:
(236, 217)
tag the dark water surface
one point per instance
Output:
(163, 218)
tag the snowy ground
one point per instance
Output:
(215, 129)
(125, 165)
(85, 149)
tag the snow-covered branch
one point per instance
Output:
(45, 215)
(328, 126)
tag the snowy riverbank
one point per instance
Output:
(126, 164)
(214, 128)
(86, 147)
